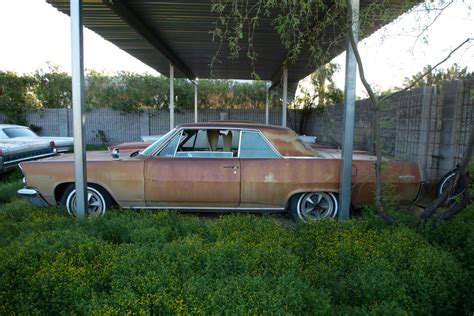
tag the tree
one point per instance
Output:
(122, 91)
(435, 77)
(16, 96)
(377, 104)
(322, 91)
(54, 88)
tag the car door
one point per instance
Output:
(262, 173)
(186, 174)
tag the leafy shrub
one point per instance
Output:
(163, 262)
(457, 237)
(9, 183)
(8, 191)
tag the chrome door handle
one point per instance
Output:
(232, 167)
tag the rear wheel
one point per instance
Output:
(313, 206)
(98, 201)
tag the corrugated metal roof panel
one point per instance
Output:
(152, 31)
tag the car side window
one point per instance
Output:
(170, 149)
(254, 146)
(208, 143)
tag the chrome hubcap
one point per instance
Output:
(95, 201)
(316, 205)
(446, 185)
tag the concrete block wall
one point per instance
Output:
(428, 125)
(466, 118)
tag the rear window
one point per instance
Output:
(254, 146)
(13, 132)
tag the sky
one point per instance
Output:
(33, 34)
(401, 49)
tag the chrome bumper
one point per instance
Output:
(33, 196)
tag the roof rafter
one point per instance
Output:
(136, 22)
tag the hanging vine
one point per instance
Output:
(314, 27)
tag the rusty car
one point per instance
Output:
(218, 166)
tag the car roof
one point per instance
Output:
(285, 140)
(234, 124)
(11, 125)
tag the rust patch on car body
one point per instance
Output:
(122, 178)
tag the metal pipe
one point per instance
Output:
(267, 101)
(348, 119)
(195, 101)
(285, 96)
(80, 165)
(171, 96)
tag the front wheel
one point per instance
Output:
(98, 201)
(313, 206)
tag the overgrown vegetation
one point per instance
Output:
(164, 262)
(320, 92)
(16, 96)
(436, 77)
(122, 91)
(9, 184)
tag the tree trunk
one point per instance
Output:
(376, 105)
(461, 175)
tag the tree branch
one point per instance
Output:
(428, 71)
(441, 10)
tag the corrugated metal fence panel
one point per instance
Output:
(159, 122)
(49, 121)
(111, 127)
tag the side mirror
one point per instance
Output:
(115, 153)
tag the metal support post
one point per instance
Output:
(349, 113)
(171, 96)
(285, 96)
(195, 101)
(267, 102)
(80, 167)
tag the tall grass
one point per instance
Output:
(9, 183)
(164, 262)
(168, 263)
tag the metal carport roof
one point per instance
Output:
(164, 31)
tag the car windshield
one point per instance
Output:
(150, 149)
(13, 132)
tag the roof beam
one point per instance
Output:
(276, 78)
(136, 22)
